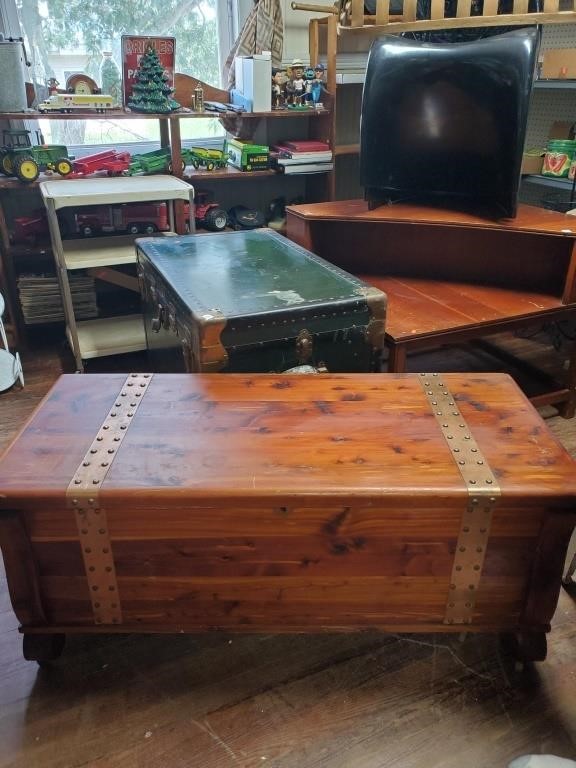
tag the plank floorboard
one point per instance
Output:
(334, 701)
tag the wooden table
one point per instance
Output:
(452, 276)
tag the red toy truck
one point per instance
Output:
(142, 218)
(29, 229)
(114, 163)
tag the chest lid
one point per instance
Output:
(241, 274)
(171, 439)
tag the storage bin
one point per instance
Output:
(558, 157)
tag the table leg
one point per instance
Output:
(396, 358)
(568, 408)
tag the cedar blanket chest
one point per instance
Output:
(191, 503)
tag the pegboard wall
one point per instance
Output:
(548, 106)
(558, 36)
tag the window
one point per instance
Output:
(70, 36)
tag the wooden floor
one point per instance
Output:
(349, 701)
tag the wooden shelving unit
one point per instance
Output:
(314, 123)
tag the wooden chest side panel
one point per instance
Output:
(275, 567)
(282, 603)
(183, 522)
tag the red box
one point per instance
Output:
(134, 47)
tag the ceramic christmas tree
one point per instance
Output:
(151, 92)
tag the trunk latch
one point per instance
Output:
(304, 346)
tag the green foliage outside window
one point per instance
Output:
(96, 26)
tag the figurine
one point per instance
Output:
(277, 88)
(308, 80)
(198, 100)
(52, 84)
(317, 85)
(295, 85)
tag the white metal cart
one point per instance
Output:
(110, 335)
(10, 366)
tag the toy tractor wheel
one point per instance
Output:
(195, 163)
(7, 165)
(26, 169)
(182, 164)
(63, 166)
(209, 165)
(215, 219)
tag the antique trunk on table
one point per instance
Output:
(285, 503)
(254, 302)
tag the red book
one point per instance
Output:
(304, 146)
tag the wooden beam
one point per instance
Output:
(505, 19)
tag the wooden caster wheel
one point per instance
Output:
(526, 646)
(43, 648)
(568, 580)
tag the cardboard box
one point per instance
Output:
(248, 157)
(254, 79)
(532, 162)
(558, 64)
(533, 157)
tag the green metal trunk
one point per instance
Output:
(254, 302)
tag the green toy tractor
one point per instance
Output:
(199, 157)
(18, 157)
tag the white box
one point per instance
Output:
(254, 79)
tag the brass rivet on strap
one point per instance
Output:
(91, 519)
(479, 481)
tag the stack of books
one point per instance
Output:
(302, 157)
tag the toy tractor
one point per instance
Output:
(18, 157)
(209, 214)
(199, 157)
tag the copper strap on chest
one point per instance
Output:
(83, 496)
(483, 495)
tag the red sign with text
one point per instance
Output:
(133, 48)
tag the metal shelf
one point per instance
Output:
(563, 85)
(547, 181)
(99, 252)
(121, 189)
(110, 336)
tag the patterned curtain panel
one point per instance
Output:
(263, 30)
